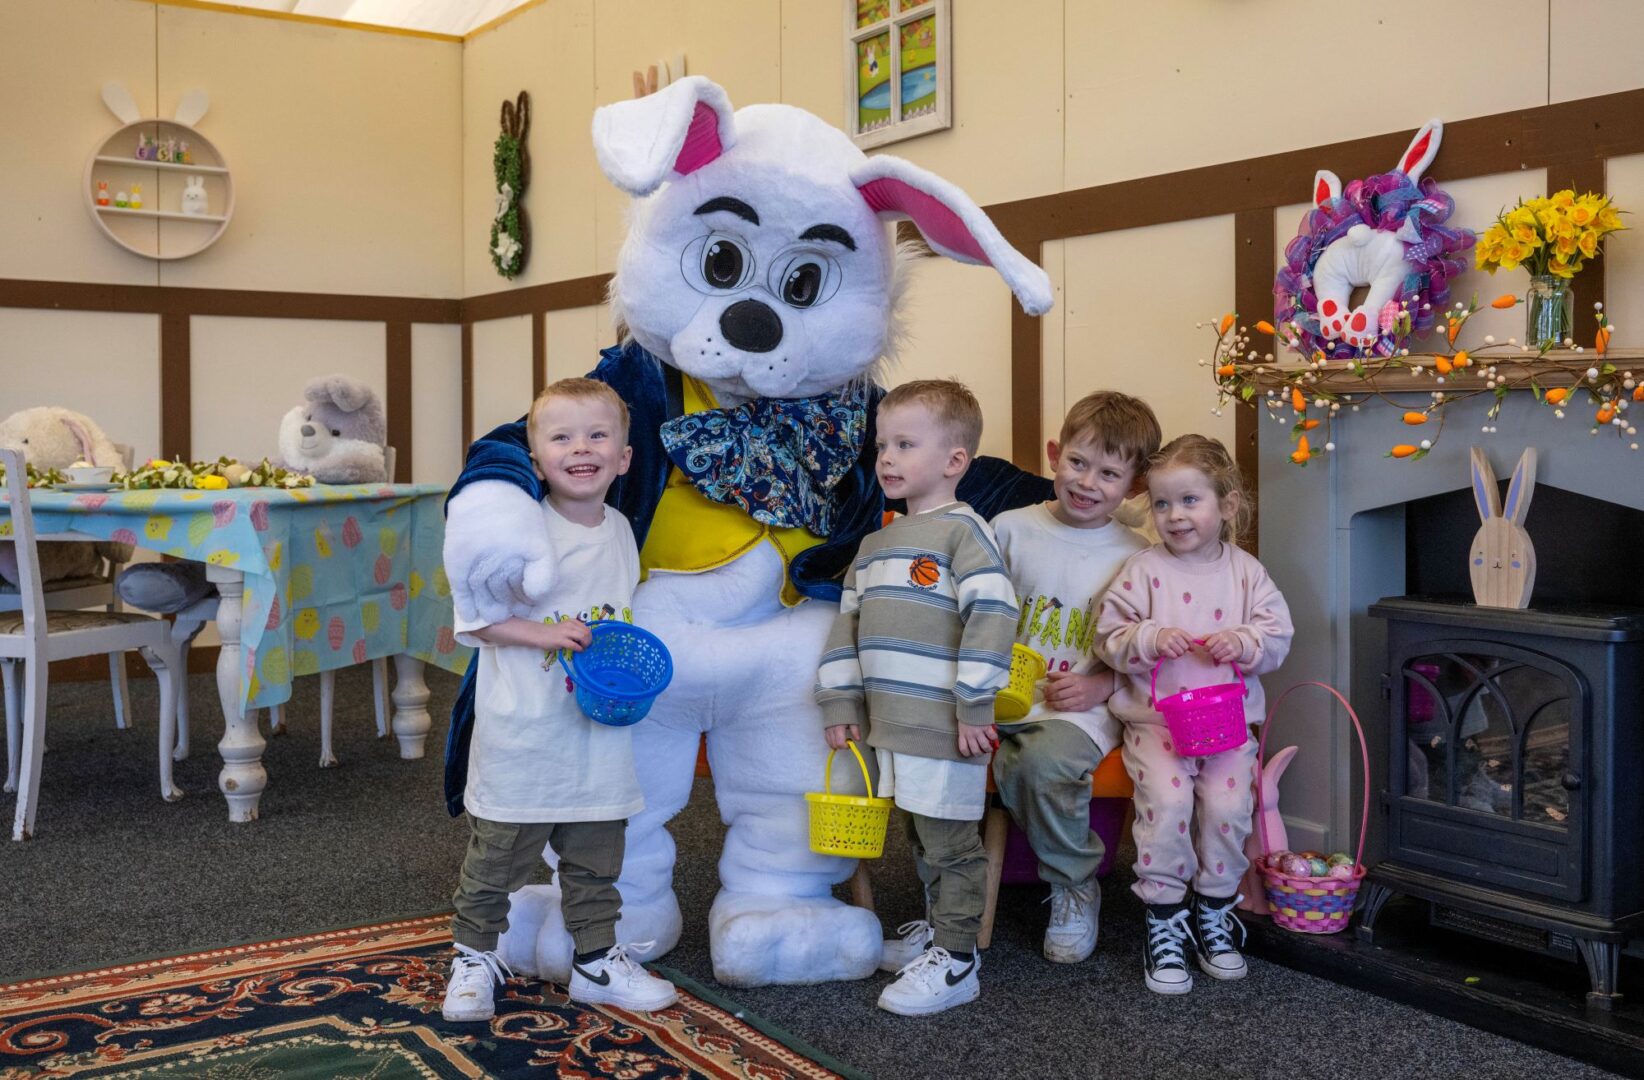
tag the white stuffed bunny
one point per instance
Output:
(195, 199)
(53, 438)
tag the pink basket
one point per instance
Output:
(1205, 721)
(1311, 905)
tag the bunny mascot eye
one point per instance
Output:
(805, 278)
(717, 263)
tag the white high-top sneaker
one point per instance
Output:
(470, 989)
(1074, 913)
(934, 982)
(915, 937)
(618, 979)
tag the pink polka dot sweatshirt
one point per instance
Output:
(1156, 590)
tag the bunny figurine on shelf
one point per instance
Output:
(1503, 561)
(195, 200)
(1278, 837)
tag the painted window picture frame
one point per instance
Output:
(900, 59)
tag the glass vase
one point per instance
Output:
(1549, 311)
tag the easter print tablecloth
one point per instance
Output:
(333, 575)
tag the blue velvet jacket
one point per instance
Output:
(654, 394)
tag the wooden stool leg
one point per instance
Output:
(995, 827)
(862, 887)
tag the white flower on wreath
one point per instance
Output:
(506, 248)
(505, 196)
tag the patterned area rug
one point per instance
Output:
(363, 1003)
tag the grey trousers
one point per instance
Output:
(1042, 771)
(503, 855)
(951, 862)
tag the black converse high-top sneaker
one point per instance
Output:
(1164, 964)
(1213, 926)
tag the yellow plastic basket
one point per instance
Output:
(1026, 668)
(848, 825)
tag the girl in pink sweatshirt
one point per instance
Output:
(1192, 605)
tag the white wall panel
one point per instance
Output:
(436, 403)
(1624, 254)
(1594, 48)
(248, 373)
(502, 371)
(102, 364)
(1132, 299)
(575, 336)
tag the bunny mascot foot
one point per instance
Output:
(758, 285)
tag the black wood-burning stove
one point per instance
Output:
(1515, 787)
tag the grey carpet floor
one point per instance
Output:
(114, 873)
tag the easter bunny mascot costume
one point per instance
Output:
(757, 287)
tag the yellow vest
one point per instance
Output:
(691, 533)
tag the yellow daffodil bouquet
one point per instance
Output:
(1554, 234)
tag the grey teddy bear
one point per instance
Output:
(337, 436)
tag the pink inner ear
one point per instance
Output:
(1417, 152)
(939, 224)
(701, 141)
(1322, 194)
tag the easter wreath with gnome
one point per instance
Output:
(511, 163)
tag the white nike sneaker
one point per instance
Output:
(470, 989)
(901, 951)
(1074, 913)
(934, 982)
(618, 979)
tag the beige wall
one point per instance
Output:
(344, 147)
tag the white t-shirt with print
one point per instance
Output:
(1060, 574)
(536, 757)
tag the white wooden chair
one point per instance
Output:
(191, 619)
(35, 636)
(73, 594)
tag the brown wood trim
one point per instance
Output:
(539, 352)
(398, 372)
(467, 387)
(1027, 392)
(1253, 262)
(241, 303)
(554, 296)
(1599, 127)
(1584, 176)
(176, 386)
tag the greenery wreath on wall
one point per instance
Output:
(511, 163)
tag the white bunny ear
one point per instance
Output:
(120, 103)
(1486, 495)
(675, 131)
(951, 223)
(1521, 487)
(1423, 148)
(192, 107)
(1326, 187)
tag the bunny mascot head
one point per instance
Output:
(757, 288)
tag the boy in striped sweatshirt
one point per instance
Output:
(920, 648)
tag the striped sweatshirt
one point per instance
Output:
(922, 640)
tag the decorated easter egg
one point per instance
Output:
(1343, 871)
(1337, 858)
(1317, 868)
(1310, 854)
(1295, 866)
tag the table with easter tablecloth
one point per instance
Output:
(309, 579)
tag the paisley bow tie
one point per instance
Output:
(777, 458)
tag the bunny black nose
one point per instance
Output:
(751, 326)
(308, 431)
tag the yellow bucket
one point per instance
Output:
(1026, 668)
(848, 825)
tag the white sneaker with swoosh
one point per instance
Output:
(934, 982)
(618, 979)
(470, 989)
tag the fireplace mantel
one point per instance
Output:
(1332, 537)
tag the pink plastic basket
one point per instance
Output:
(1205, 721)
(1311, 905)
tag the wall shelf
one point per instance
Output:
(171, 215)
(141, 163)
(1388, 378)
(160, 230)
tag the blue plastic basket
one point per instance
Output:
(620, 673)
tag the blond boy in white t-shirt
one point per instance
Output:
(539, 771)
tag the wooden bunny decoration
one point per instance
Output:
(1503, 561)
